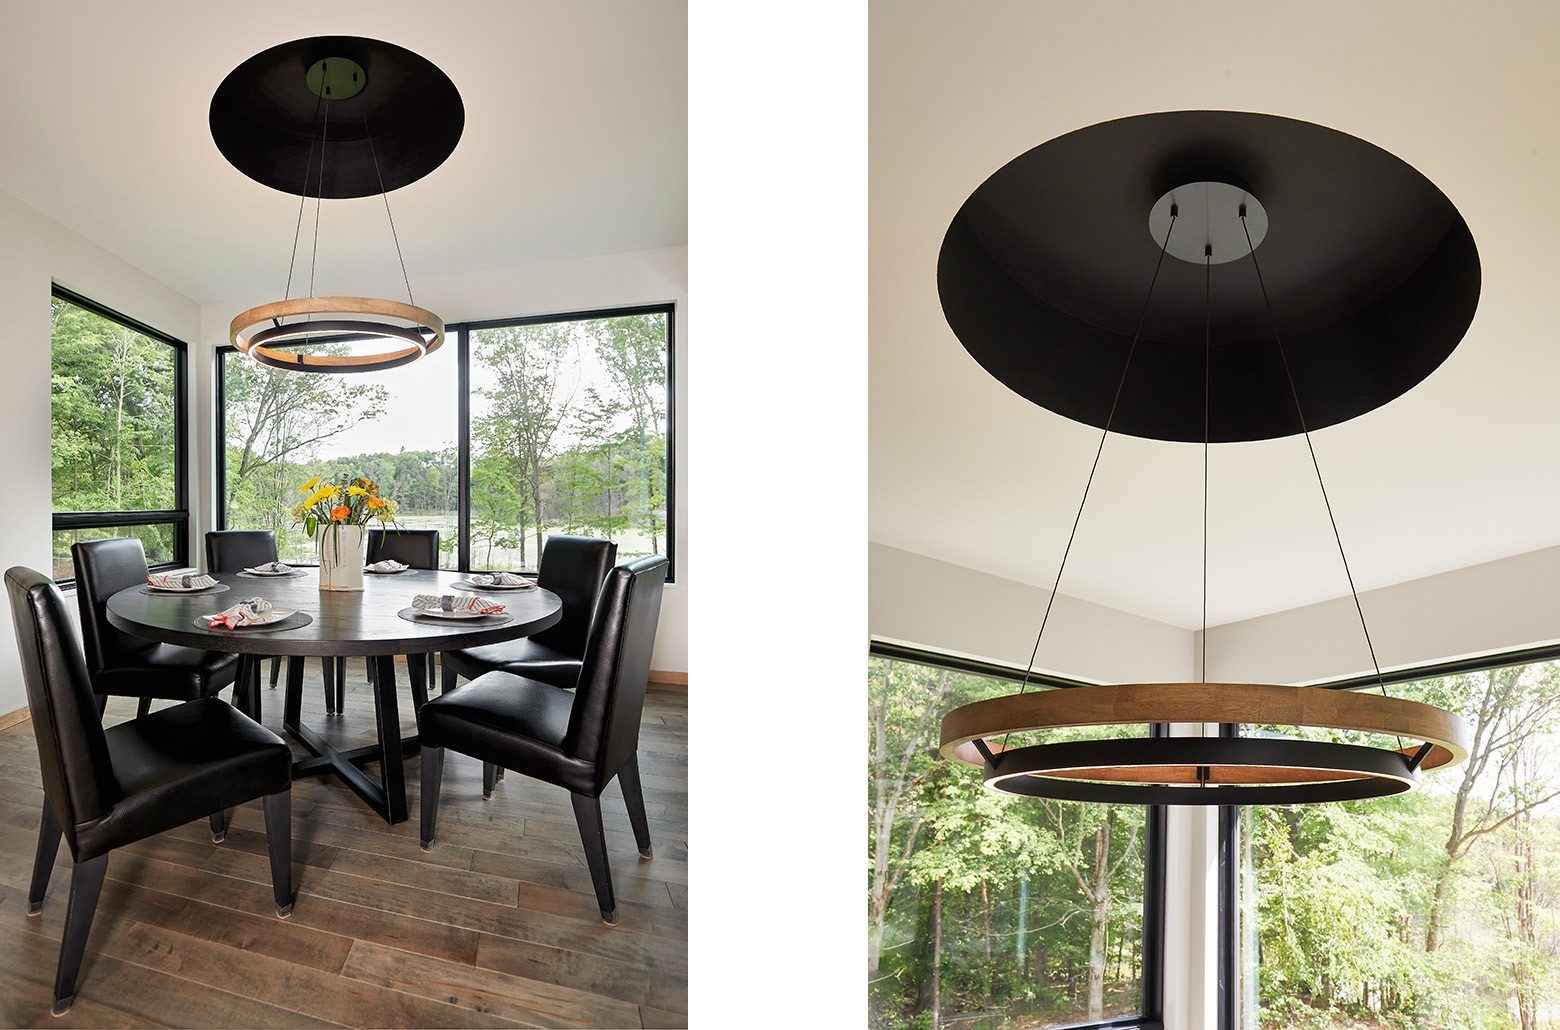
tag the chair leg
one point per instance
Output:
(489, 776)
(432, 780)
(634, 799)
(341, 684)
(447, 678)
(143, 706)
(328, 673)
(276, 671)
(86, 883)
(218, 820)
(43, 864)
(417, 677)
(587, 812)
(278, 841)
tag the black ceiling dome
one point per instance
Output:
(266, 117)
(1372, 273)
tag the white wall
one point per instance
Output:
(35, 251)
(644, 277)
(923, 602)
(1482, 609)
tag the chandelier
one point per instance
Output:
(1376, 278)
(337, 117)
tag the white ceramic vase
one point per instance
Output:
(341, 557)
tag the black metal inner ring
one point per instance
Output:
(1372, 772)
(342, 325)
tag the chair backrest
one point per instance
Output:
(418, 548)
(610, 698)
(103, 568)
(233, 550)
(574, 568)
(78, 778)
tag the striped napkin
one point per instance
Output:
(180, 579)
(388, 565)
(451, 603)
(498, 579)
(244, 613)
(271, 566)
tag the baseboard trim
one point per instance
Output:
(667, 678)
(10, 719)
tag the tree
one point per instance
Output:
(633, 351)
(527, 399)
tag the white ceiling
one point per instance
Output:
(1460, 470)
(575, 141)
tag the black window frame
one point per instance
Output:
(1155, 855)
(1229, 957)
(461, 334)
(179, 515)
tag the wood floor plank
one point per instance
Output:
(534, 1002)
(652, 1018)
(588, 972)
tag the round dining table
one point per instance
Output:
(373, 623)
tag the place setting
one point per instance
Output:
(387, 567)
(452, 608)
(271, 570)
(494, 581)
(254, 614)
(182, 581)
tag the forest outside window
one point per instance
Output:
(986, 910)
(1435, 908)
(116, 433)
(565, 427)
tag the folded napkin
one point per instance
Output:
(181, 579)
(271, 566)
(452, 603)
(499, 579)
(244, 613)
(388, 565)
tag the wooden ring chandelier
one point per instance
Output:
(422, 336)
(384, 117)
(1202, 770)
(1037, 279)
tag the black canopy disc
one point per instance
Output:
(269, 115)
(1372, 273)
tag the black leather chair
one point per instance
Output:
(576, 740)
(122, 665)
(574, 568)
(234, 550)
(104, 789)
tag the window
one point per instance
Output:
(281, 428)
(986, 910)
(1435, 908)
(564, 426)
(116, 433)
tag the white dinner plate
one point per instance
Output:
(527, 585)
(182, 590)
(276, 615)
(289, 572)
(386, 572)
(440, 613)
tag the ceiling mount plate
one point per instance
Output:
(1373, 277)
(335, 78)
(394, 117)
(1208, 222)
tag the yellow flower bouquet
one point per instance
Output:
(349, 502)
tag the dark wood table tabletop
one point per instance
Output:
(343, 624)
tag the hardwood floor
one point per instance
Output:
(497, 926)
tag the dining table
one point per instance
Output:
(376, 623)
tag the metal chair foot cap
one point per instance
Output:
(34, 907)
(284, 911)
(426, 845)
(609, 918)
(647, 854)
(487, 795)
(62, 1005)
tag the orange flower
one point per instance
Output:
(374, 503)
(339, 512)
